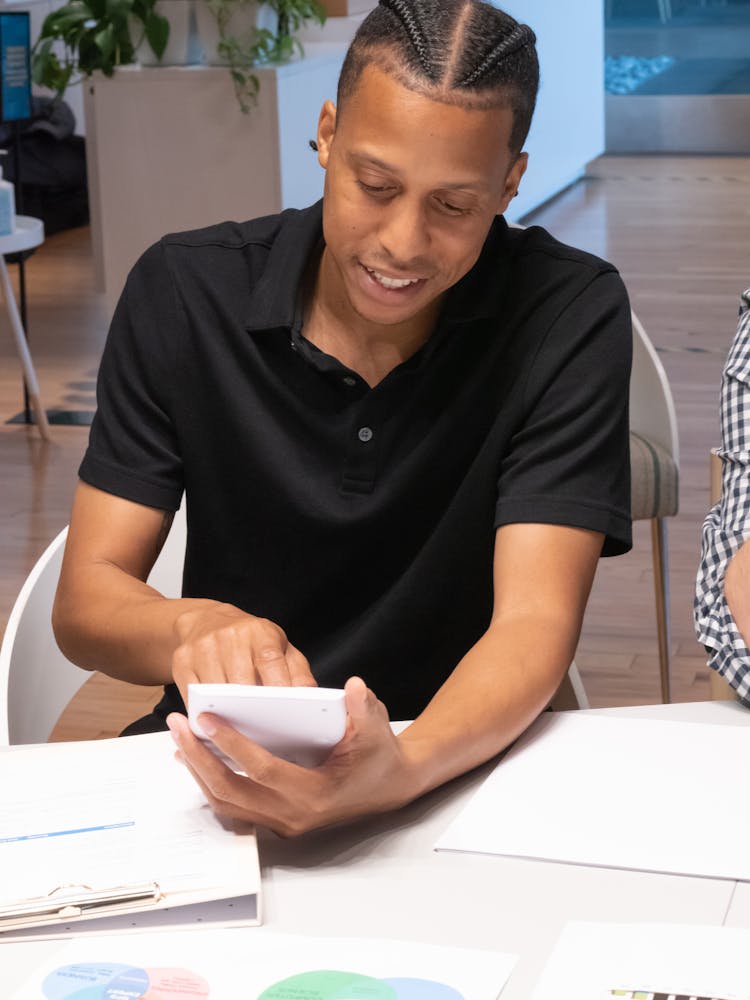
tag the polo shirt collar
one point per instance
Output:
(273, 301)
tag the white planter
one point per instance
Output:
(181, 46)
(244, 21)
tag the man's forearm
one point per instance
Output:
(493, 695)
(119, 625)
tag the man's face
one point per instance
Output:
(412, 186)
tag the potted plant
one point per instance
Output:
(244, 34)
(95, 34)
(104, 34)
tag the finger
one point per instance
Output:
(268, 649)
(215, 775)
(212, 660)
(260, 765)
(299, 668)
(224, 808)
(238, 796)
(360, 701)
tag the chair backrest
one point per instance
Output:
(36, 680)
(652, 412)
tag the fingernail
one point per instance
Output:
(173, 727)
(207, 724)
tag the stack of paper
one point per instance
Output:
(95, 831)
(622, 793)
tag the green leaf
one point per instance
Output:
(157, 33)
(106, 43)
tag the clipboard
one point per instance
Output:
(67, 902)
(116, 834)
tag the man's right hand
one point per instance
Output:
(222, 644)
(108, 618)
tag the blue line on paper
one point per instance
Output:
(66, 833)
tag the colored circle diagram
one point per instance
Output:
(329, 985)
(112, 981)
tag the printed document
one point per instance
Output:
(255, 965)
(647, 962)
(616, 792)
(114, 814)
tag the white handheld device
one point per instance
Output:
(300, 724)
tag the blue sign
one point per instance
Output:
(15, 69)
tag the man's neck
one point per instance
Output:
(372, 350)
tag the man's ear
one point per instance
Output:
(513, 180)
(326, 131)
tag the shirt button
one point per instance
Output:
(365, 434)
(348, 380)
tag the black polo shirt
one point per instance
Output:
(362, 520)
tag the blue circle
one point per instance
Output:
(422, 989)
(81, 981)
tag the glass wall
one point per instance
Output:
(684, 49)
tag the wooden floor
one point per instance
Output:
(678, 229)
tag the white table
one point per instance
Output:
(380, 877)
(29, 233)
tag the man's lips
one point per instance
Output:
(393, 282)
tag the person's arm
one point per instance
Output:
(737, 590)
(107, 618)
(542, 576)
(722, 594)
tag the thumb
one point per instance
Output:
(361, 703)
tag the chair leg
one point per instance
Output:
(571, 693)
(661, 593)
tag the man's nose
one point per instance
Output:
(404, 233)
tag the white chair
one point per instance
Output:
(36, 680)
(654, 469)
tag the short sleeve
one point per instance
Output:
(569, 462)
(133, 448)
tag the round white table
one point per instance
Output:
(29, 233)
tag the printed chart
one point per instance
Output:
(330, 985)
(115, 981)
(656, 995)
(243, 964)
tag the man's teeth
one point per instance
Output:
(391, 282)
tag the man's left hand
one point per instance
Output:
(367, 772)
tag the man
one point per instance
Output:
(722, 593)
(400, 426)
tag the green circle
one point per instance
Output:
(329, 985)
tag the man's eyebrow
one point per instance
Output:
(365, 160)
(372, 161)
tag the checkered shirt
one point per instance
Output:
(728, 523)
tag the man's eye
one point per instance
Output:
(375, 189)
(451, 209)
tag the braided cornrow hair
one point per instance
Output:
(521, 36)
(459, 51)
(406, 13)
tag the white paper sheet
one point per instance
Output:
(622, 793)
(235, 964)
(648, 961)
(115, 813)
